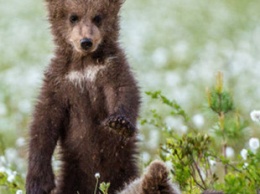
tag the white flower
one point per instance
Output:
(2, 160)
(254, 143)
(20, 142)
(212, 162)
(11, 154)
(230, 152)
(11, 177)
(97, 175)
(245, 165)
(160, 56)
(146, 157)
(183, 129)
(19, 192)
(243, 153)
(198, 120)
(2, 169)
(255, 116)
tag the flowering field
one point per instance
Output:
(174, 46)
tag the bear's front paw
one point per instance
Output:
(121, 125)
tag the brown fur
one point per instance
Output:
(154, 181)
(88, 103)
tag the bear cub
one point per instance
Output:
(88, 103)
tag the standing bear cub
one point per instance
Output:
(88, 103)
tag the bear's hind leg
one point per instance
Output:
(156, 180)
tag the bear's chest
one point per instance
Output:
(86, 78)
(86, 86)
(87, 111)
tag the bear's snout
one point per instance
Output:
(86, 43)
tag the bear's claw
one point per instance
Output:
(121, 125)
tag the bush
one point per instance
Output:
(201, 159)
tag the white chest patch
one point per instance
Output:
(89, 74)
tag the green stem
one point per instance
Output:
(96, 187)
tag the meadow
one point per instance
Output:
(176, 47)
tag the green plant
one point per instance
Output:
(10, 181)
(200, 158)
(104, 187)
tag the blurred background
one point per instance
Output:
(176, 46)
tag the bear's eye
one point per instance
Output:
(74, 18)
(97, 20)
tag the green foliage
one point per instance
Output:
(104, 187)
(199, 159)
(189, 156)
(10, 182)
(176, 108)
(219, 100)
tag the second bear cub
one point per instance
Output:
(89, 103)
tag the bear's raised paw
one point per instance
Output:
(121, 125)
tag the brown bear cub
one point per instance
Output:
(89, 103)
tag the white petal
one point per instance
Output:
(198, 120)
(230, 152)
(97, 175)
(254, 143)
(255, 116)
(243, 153)
(19, 192)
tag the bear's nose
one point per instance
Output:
(86, 43)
